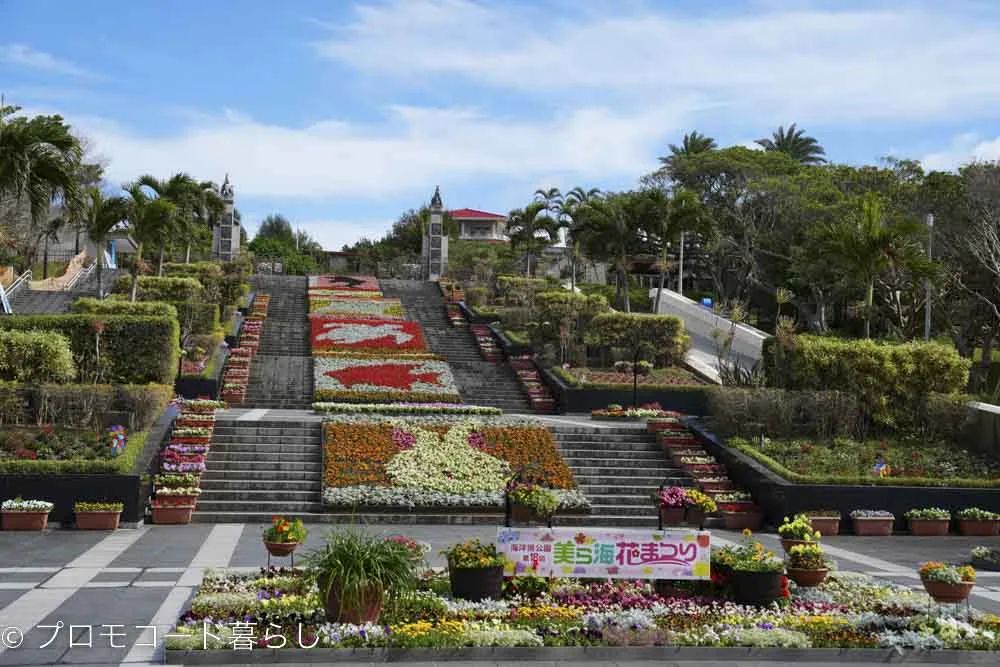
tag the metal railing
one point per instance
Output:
(81, 275)
(22, 280)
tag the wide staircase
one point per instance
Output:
(259, 469)
(281, 375)
(618, 469)
(480, 382)
(26, 301)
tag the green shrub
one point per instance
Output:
(133, 349)
(893, 381)
(197, 317)
(660, 337)
(122, 464)
(518, 291)
(35, 356)
(82, 405)
(123, 307)
(638, 297)
(154, 288)
(476, 296)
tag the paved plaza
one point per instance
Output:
(104, 587)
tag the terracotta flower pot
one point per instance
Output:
(751, 519)
(368, 611)
(694, 517)
(172, 514)
(280, 549)
(872, 526)
(826, 525)
(978, 527)
(929, 527)
(788, 544)
(477, 583)
(524, 514)
(672, 516)
(757, 588)
(24, 520)
(716, 486)
(947, 593)
(98, 520)
(807, 578)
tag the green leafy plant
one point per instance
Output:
(361, 567)
(543, 501)
(977, 514)
(806, 557)
(85, 506)
(928, 513)
(473, 554)
(285, 530)
(948, 574)
(798, 528)
(823, 514)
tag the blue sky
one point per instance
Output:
(341, 115)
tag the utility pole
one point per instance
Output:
(927, 283)
(680, 269)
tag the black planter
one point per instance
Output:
(475, 584)
(989, 565)
(756, 588)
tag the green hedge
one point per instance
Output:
(123, 307)
(82, 405)
(892, 380)
(572, 381)
(134, 349)
(35, 356)
(202, 317)
(660, 337)
(222, 284)
(121, 464)
(154, 288)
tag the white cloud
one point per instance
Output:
(777, 64)
(334, 234)
(22, 55)
(411, 151)
(962, 149)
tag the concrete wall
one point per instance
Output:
(985, 430)
(701, 322)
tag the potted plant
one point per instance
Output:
(739, 512)
(475, 570)
(758, 576)
(807, 564)
(797, 532)
(986, 558)
(827, 522)
(355, 571)
(97, 516)
(978, 522)
(929, 521)
(19, 514)
(284, 536)
(698, 504)
(671, 500)
(947, 583)
(169, 510)
(531, 502)
(872, 522)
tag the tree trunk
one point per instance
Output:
(986, 361)
(45, 259)
(76, 244)
(625, 287)
(187, 253)
(100, 272)
(869, 300)
(135, 273)
(663, 279)
(159, 264)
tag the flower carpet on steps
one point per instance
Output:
(182, 462)
(236, 375)
(539, 397)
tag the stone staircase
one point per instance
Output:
(57, 302)
(257, 469)
(618, 468)
(281, 376)
(480, 382)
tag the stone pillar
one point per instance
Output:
(226, 234)
(435, 242)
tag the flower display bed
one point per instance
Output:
(344, 283)
(405, 409)
(182, 462)
(236, 375)
(539, 396)
(368, 335)
(385, 309)
(381, 463)
(384, 379)
(488, 347)
(847, 611)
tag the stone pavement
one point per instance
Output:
(104, 587)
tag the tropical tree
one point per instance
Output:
(187, 197)
(683, 213)
(692, 144)
(101, 215)
(150, 223)
(567, 220)
(532, 231)
(50, 232)
(795, 143)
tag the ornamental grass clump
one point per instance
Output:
(928, 514)
(473, 554)
(947, 574)
(798, 529)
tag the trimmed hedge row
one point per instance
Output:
(82, 405)
(661, 337)
(223, 284)
(155, 288)
(121, 307)
(133, 349)
(35, 356)
(202, 317)
(890, 379)
(121, 465)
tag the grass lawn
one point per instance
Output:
(56, 269)
(978, 355)
(609, 377)
(845, 461)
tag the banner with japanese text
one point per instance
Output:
(602, 552)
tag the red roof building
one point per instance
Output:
(475, 225)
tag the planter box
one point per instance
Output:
(743, 520)
(929, 527)
(172, 514)
(978, 528)
(24, 520)
(98, 520)
(688, 400)
(825, 525)
(871, 527)
(65, 490)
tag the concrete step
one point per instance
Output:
(263, 448)
(270, 495)
(651, 481)
(249, 437)
(282, 507)
(225, 457)
(212, 484)
(304, 468)
(258, 476)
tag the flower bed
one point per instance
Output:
(383, 379)
(346, 283)
(845, 461)
(236, 374)
(602, 378)
(50, 449)
(365, 335)
(846, 611)
(539, 396)
(391, 463)
(388, 309)
(182, 461)
(405, 409)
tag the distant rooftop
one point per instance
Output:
(473, 214)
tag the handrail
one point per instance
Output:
(21, 281)
(82, 274)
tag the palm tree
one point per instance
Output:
(50, 233)
(528, 228)
(684, 213)
(794, 143)
(101, 215)
(188, 197)
(150, 222)
(692, 144)
(567, 220)
(869, 244)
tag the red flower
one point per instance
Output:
(397, 376)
